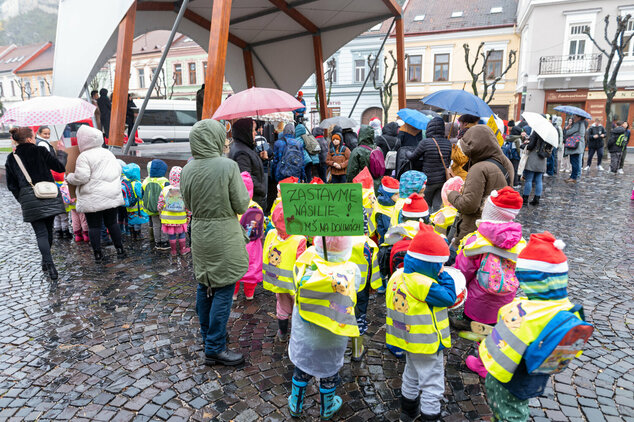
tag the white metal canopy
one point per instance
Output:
(282, 46)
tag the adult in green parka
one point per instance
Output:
(214, 192)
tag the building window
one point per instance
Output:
(178, 74)
(42, 88)
(192, 73)
(359, 70)
(441, 67)
(414, 68)
(577, 43)
(494, 64)
(141, 78)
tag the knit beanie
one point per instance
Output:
(415, 207)
(502, 205)
(412, 181)
(542, 268)
(428, 246)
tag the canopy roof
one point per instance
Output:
(279, 33)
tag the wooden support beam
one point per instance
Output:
(296, 16)
(248, 67)
(400, 62)
(393, 7)
(319, 76)
(122, 77)
(217, 54)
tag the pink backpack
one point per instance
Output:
(497, 275)
(377, 162)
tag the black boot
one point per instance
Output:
(535, 200)
(409, 409)
(282, 332)
(44, 266)
(98, 255)
(59, 233)
(525, 200)
(121, 252)
(52, 271)
(67, 234)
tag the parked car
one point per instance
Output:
(167, 120)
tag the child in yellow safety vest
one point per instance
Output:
(411, 181)
(445, 217)
(323, 319)
(369, 200)
(281, 251)
(173, 213)
(136, 214)
(152, 187)
(535, 336)
(417, 321)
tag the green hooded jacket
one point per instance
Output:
(360, 156)
(213, 190)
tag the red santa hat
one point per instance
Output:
(428, 246)
(365, 178)
(389, 184)
(502, 205)
(543, 253)
(316, 181)
(415, 206)
(291, 179)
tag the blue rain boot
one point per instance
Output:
(296, 399)
(330, 403)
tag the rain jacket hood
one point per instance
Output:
(385, 198)
(175, 176)
(435, 128)
(242, 131)
(207, 139)
(391, 129)
(132, 171)
(479, 143)
(158, 168)
(501, 235)
(88, 138)
(289, 130)
(366, 135)
(300, 130)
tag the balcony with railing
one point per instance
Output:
(570, 64)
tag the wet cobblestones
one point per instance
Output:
(119, 341)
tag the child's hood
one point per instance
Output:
(157, 168)
(132, 171)
(175, 176)
(248, 182)
(413, 265)
(385, 198)
(501, 235)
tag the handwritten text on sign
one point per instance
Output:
(326, 210)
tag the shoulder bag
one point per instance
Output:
(447, 171)
(42, 190)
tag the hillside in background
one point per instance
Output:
(27, 21)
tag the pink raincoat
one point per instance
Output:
(481, 305)
(254, 248)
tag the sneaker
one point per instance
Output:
(620, 171)
(235, 297)
(600, 167)
(381, 290)
(586, 168)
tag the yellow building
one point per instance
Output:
(35, 76)
(435, 32)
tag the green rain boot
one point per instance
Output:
(296, 399)
(330, 403)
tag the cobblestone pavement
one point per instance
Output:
(119, 341)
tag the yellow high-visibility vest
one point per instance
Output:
(519, 324)
(328, 297)
(405, 230)
(278, 260)
(359, 258)
(482, 245)
(172, 217)
(412, 324)
(398, 207)
(449, 216)
(369, 199)
(139, 205)
(160, 180)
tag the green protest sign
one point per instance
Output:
(323, 210)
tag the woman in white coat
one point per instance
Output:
(98, 179)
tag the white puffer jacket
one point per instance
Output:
(97, 174)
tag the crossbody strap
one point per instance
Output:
(24, 172)
(440, 153)
(499, 165)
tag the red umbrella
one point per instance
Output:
(256, 102)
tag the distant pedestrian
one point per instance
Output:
(360, 156)
(615, 145)
(243, 152)
(624, 147)
(105, 106)
(129, 114)
(577, 129)
(299, 112)
(337, 159)
(596, 139)
(200, 99)
(538, 151)
(214, 192)
(94, 96)
(37, 164)
(318, 133)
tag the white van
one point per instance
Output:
(166, 120)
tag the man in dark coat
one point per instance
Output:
(596, 139)
(104, 109)
(129, 114)
(243, 153)
(387, 140)
(200, 99)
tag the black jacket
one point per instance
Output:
(387, 140)
(104, 108)
(243, 153)
(614, 135)
(38, 163)
(596, 142)
(427, 153)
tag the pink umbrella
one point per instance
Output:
(256, 102)
(48, 111)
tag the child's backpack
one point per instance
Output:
(253, 223)
(558, 343)
(129, 198)
(292, 161)
(377, 162)
(397, 256)
(151, 195)
(311, 144)
(174, 200)
(496, 275)
(621, 140)
(65, 194)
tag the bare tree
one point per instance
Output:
(385, 85)
(489, 78)
(97, 81)
(161, 86)
(617, 46)
(20, 83)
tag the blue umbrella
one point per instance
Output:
(573, 110)
(458, 101)
(414, 118)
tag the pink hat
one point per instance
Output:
(415, 206)
(248, 182)
(278, 220)
(428, 246)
